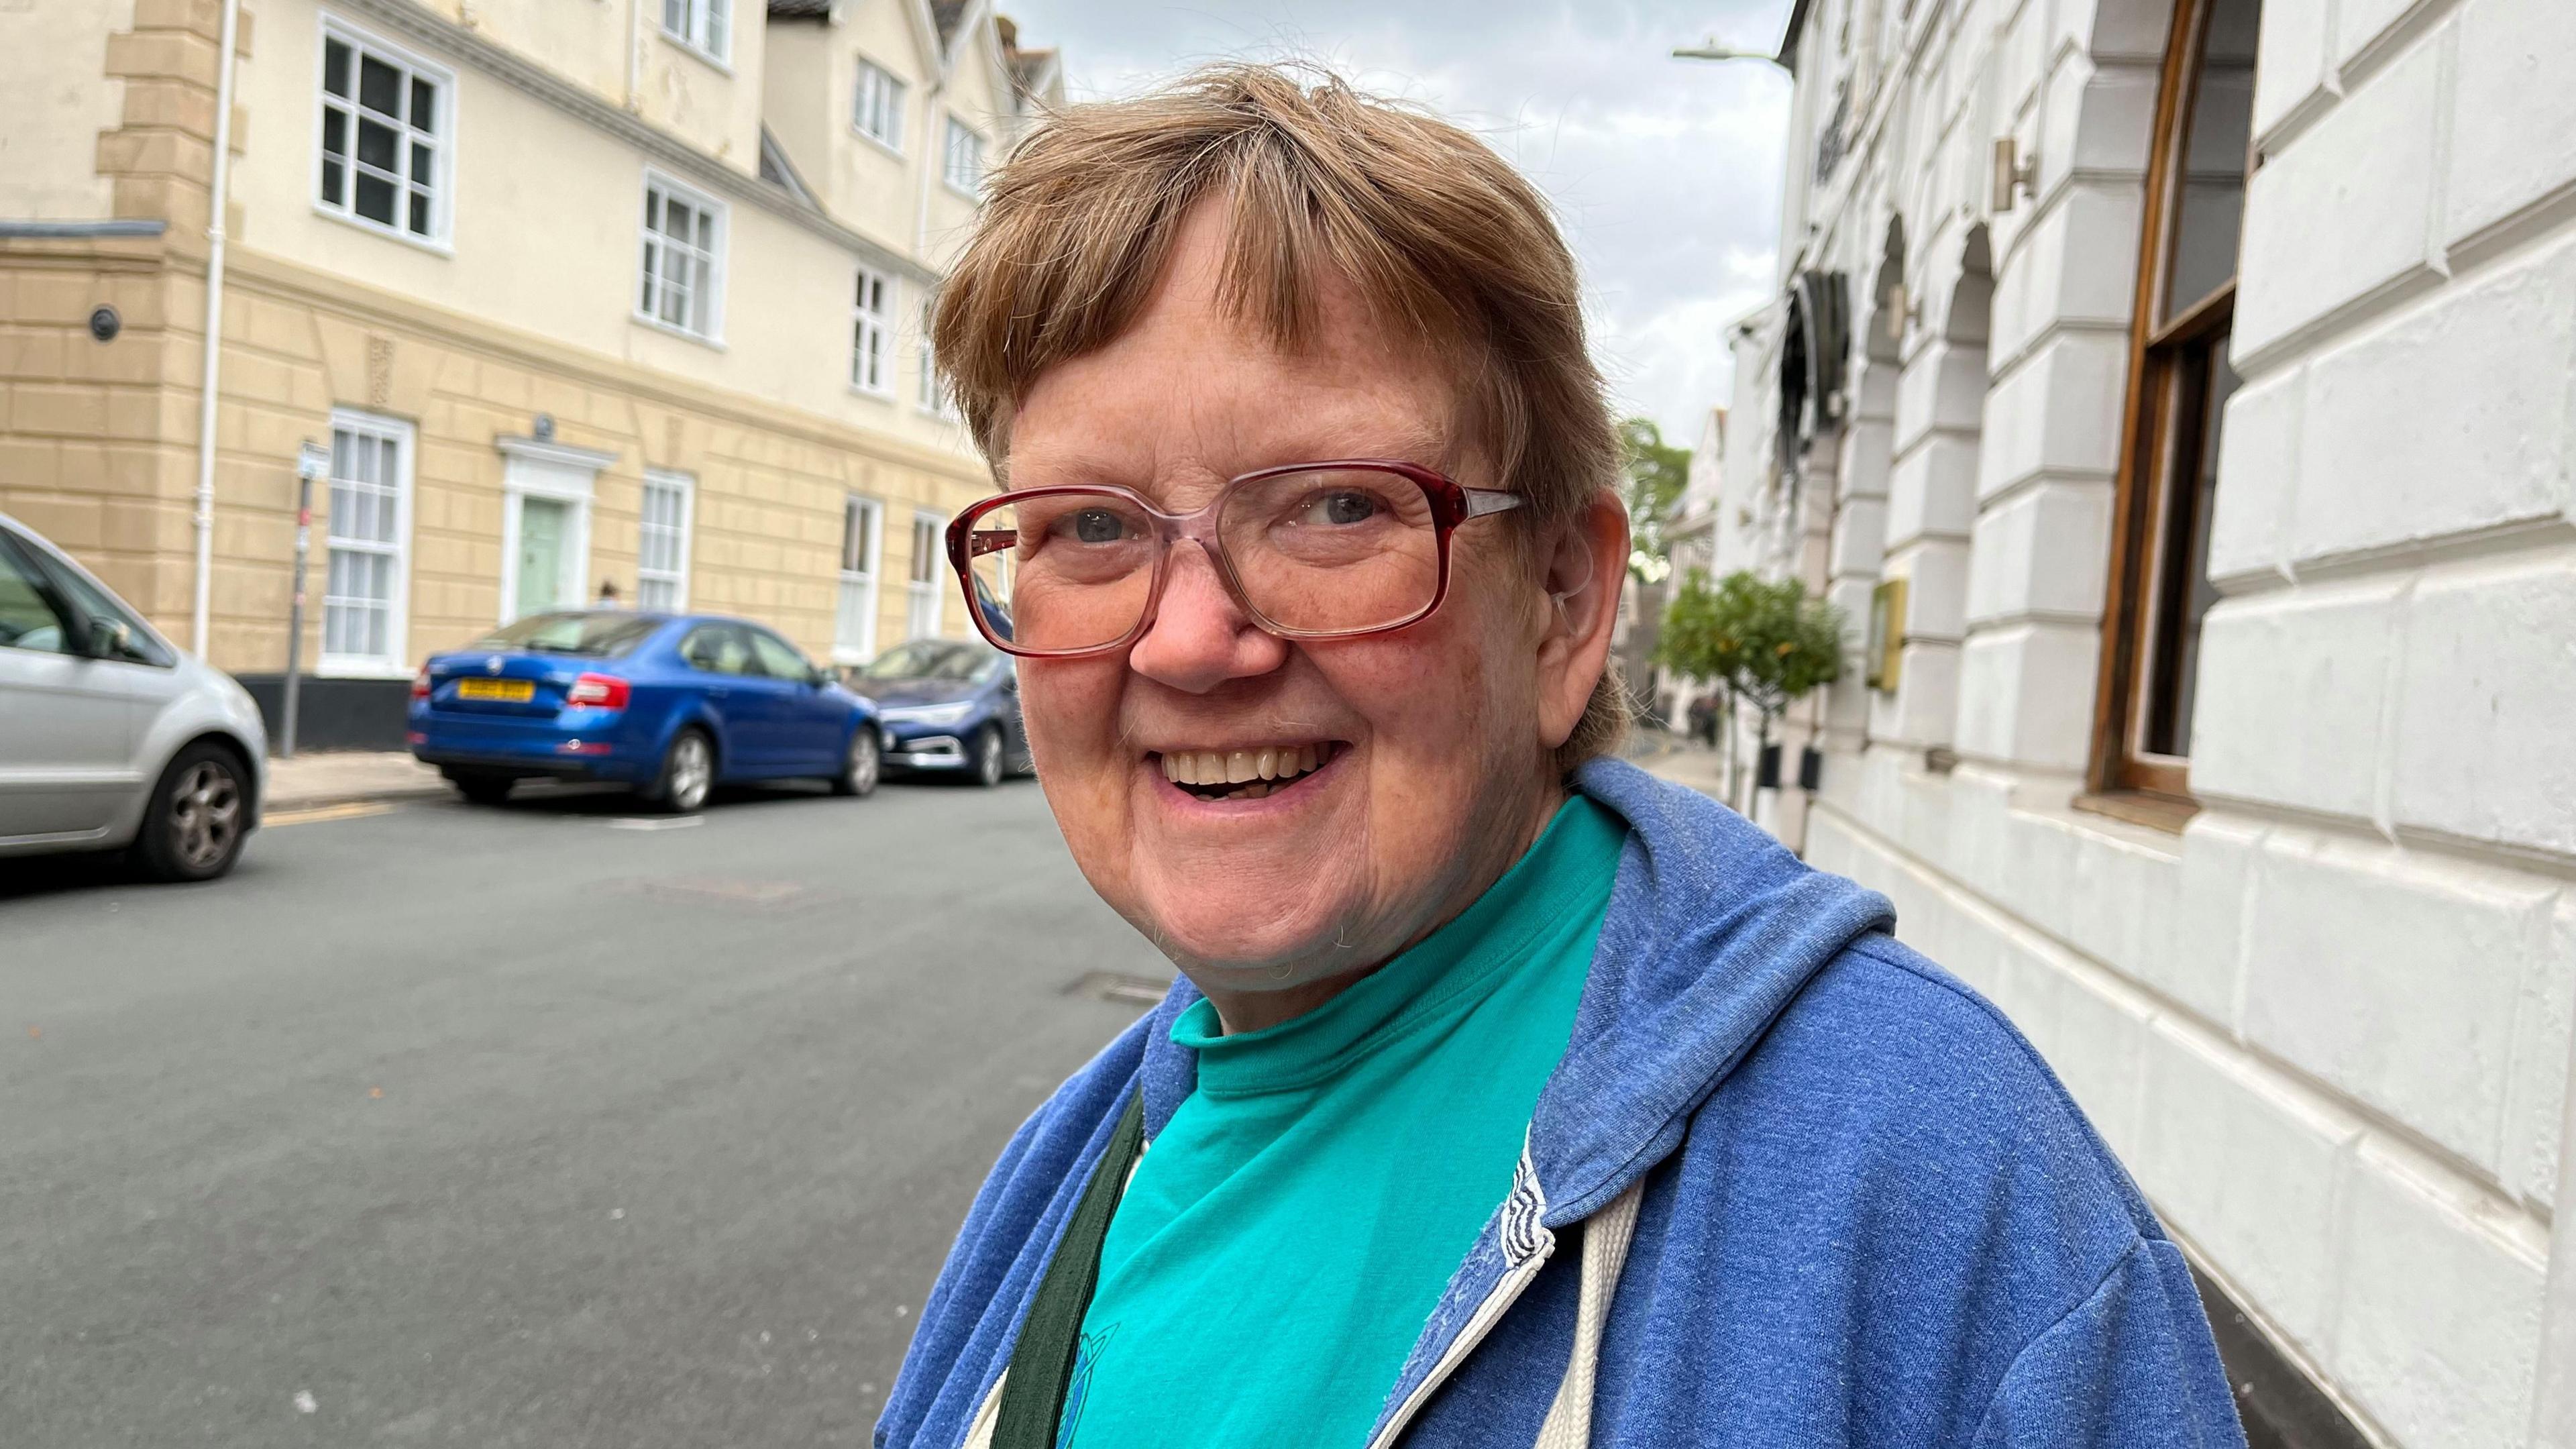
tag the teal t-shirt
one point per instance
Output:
(1286, 1236)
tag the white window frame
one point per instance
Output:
(684, 537)
(972, 188)
(694, 27)
(889, 93)
(864, 648)
(560, 473)
(923, 594)
(394, 662)
(872, 333)
(653, 244)
(441, 138)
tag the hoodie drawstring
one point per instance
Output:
(1606, 1236)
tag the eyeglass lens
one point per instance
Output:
(1320, 552)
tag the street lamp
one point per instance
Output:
(1711, 50)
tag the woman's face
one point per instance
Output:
(1435, 741)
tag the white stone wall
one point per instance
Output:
(2327, 1024)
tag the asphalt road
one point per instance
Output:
(527, 1126)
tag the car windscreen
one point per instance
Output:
(929, 659)
(593, 635)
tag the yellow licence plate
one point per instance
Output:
(514, 691)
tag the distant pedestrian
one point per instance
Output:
(1509, 1095)
(1703, 720)
(608, 597)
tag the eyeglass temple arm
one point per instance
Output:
(990, 540)
(1481, 501)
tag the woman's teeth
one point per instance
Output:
(1252, 774)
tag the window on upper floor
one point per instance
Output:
(871, 312)
(703, 25)
(964, 167)
(877, 107)
(684, 242)
(385, 124)
(2160, 587)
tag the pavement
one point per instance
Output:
(316, 781)
(1692, 764)
(339, 777)
(549, 1124)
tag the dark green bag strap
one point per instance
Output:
(1051, 1336)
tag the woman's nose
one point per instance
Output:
(1200, 637)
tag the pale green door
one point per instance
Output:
(541, 554)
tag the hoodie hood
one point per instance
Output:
(1713, 928)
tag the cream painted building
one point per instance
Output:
(2189, 384)
(576, 293)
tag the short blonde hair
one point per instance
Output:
(1436, 232)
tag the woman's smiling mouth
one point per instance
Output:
(1245, 774)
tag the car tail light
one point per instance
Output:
(600, 691)
(420, 683)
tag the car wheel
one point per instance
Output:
(192, 829)
(688, 773)
(860, 771)
(986, 763)
(483, 789)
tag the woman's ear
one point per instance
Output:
(1584, 566)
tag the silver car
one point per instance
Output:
(110, 738)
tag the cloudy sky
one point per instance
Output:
(1665, 173)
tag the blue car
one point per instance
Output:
(672, 704)
(947, 706)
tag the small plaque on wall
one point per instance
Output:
(1886, 634)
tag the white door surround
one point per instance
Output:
(543, 469)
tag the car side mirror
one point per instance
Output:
(110, 639)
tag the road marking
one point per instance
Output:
(315, 814)
(646, 822)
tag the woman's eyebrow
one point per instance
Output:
(1075, 465)
(1415, 442)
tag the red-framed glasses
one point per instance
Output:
(1310, 551)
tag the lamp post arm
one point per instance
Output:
(1714, 51)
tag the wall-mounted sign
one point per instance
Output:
(1886, 634)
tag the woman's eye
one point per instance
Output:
(1340, 509)
(1094, 525)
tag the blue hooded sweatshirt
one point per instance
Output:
(1791, 1184)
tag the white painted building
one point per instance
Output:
(2205, 372)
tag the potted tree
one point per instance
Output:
(1764, 642)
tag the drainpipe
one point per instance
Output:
(212, 374)
(934, 154)
(634, 54)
